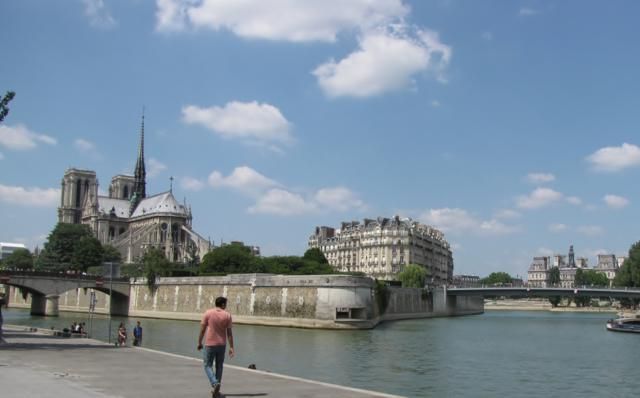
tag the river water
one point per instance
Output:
(499, 353)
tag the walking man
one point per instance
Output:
(137, 335)
(216, 322)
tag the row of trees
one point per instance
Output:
(69, 248)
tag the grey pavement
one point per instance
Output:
(35, 364)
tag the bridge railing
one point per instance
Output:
(60, 274)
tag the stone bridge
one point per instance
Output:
(45, 289)
(584, 291)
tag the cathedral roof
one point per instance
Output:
(120, 207)
(161, 203)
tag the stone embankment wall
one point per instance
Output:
(331, 301)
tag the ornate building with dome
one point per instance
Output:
(127, 218)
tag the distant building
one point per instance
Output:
(540, 268)
(6, 249)
(127, 218)
(381, 248)
(538, 275)
(608, 265)
(466, 280)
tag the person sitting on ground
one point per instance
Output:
(122, 335)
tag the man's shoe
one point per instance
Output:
(216, 391)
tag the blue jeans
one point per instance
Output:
(214, 353)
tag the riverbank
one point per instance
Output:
(538, 305)
(75, 368)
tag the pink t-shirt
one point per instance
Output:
(217, 321)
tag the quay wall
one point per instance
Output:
(314, 301)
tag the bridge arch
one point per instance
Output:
(46, 288)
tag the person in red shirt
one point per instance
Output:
(216, 325)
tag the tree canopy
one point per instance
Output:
(155, 265)
(315, 254)
(590, 277)
(59, 250)
(111, 254)
(497, 278)
(554, 276)
(232, 258)
(20, 259)
(4, 104)
(413, 275)
(629, 274)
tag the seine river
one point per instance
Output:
(491, 355)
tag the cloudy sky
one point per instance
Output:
(511, 126)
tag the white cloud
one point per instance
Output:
(155, 168)
(281, 202)
(98, 14)
(244, 179)
(615, 201)
(527, 12)
(459, 221)
(574, 200)
(19, 138)
(507, 214)
(540, 178)
(287, 20)
(249, 121)
(338, 199)
(557, 227)
(590, 230)
(538, 198)
(385, 61)
(84, 145)
(30, 197)
(191, 184)
(615, 158)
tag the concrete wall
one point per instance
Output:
(332, 301)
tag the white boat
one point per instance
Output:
(625, 324)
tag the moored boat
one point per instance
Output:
(626, 324)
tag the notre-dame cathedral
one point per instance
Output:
(128, 219)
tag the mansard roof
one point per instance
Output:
(161, 203)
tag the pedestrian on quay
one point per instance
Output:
(3, 303)
(216, 324)
(137, 335)
(122, 335)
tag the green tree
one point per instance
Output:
(4, 104)
(59, 250)
(315, 254)
(554, 276)
(629, 274)
(554, 280)
(497, 278)
(111, 254)
(155, 265)
(413, 275)
(232, 258)
(20, 259)
(87, 252)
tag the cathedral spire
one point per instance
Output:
(140, 175)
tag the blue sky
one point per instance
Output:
(511, 126)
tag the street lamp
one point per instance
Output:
(110, 297)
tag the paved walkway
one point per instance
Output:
(39, 365)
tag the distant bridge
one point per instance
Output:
(584, 291)
(46, 287)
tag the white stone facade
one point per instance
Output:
(381, 248)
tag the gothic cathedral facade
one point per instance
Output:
(127, 218)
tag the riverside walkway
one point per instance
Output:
(36, 364)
